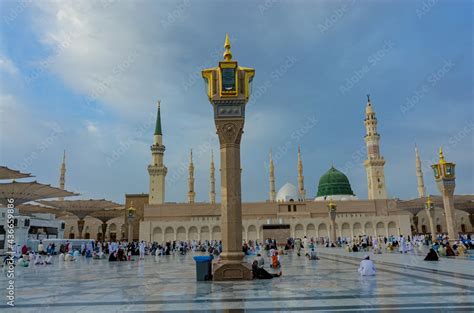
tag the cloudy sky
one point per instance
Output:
(85, 76)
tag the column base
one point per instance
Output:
(232, 271)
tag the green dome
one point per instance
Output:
(333, 183)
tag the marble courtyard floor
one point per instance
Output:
(403, 283)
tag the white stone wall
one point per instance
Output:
(208, 228)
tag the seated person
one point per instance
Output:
(49, 259)
(260, 260)
(367, 267)
(312, 255)
(449, 250)
(113, 257)
(69, 257)
(39, 260)
(432, 255)
(354, 248)
(275, 260)
(261, 273)
(61, 257)
(23, 261)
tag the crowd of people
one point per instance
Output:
(303, 247)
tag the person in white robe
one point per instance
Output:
(305, 246)
(141, 248)
(39, 260)
(367, 267)
(403, 246)
(48, 260)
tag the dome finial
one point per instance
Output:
(227, 52)
(368, 98)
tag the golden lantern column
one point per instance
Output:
(446, 182)
(429, 206)
(131, 217)
(332, 217)
(228, 90)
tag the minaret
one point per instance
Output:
(212, 194)
(272, 193)
(156, 169)
(374, 165)
(301, 190)
(191, 193)
(419, 174)
(62, 177)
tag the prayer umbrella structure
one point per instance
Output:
(23, 192)
(106, 215)
(81, 208)
(6, 173)
(28, 209)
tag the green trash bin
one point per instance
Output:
(203, 267)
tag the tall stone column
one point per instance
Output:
(415, 222)
(228, 90)
(230, 133)
(430, 214)
(80, 226)
(446, 182)
(332, 218)
(104, 230)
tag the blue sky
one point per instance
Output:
(85, 77)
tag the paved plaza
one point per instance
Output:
(403, 283)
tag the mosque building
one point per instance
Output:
(289, 210)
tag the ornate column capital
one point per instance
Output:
(230, 131)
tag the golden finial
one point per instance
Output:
(441, 156)
(227, 53)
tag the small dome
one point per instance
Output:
(287, 193)
(334, 183)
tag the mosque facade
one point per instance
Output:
(289, 206)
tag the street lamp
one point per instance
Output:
(429, 207)
(228, 90)
(131, 217)
(332, 215)
(446, 181)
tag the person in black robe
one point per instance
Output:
(113, 257)
(432, 255)
(354, 248)
(261, 273)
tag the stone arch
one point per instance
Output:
(369, 229)
(193, 233)
(252, 233)
(299, 231)
(357, 228)
(323, 230)
(181, 233)
(345, 230)
(380, 229)
(205, 234)
(158, 234)
(169, 233)
(392, 229)
(216, 233)
(311, 231)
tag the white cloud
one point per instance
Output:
(7, 66)
(92, 127)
